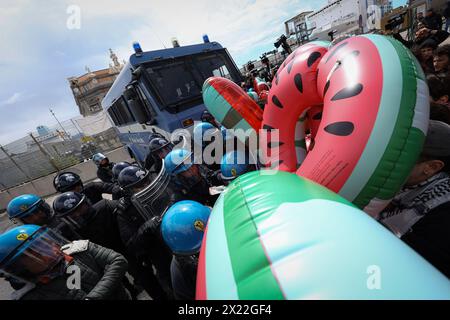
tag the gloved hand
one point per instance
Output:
(123, 204)
(150, 227)
(213, 178)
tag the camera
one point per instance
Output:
(264, 60)
(250, 66)
(280, 41)
(395, 21)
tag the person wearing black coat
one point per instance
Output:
(183, 271)
(433, 20)
(102, 271)
(104, 173)
(97, 223)
(419, 213)
(70, 181)
(94, 190)
(142, 238)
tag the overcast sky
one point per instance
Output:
(38, 52)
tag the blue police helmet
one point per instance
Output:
(14, 238)
(98, 157)
(23, 206)
(178, 160)
(233, 164)
(40, 246)
(118, 167)
(183, 226)
(200, 130)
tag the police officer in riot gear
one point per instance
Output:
(182, 229)
(31, 209)
(94, 222)
(203, 130)
(40, 258)
(118, 167)
(234, 164)
(97, 223)
(215, 138)
(70, 181)
(104, 167)
(194, 180)
(140, 230)
(159, 147)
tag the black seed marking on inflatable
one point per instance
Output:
(276, 78)
(289, 67)
(327, 86)
(268, 128)
(313, 58)
(277, 102)
(348, 92)
(339, 47)
(271, 145)
(343, 128)
(298, 82)
(317, 116)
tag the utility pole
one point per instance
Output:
(51, 111)
(52, 160)
(76, 127)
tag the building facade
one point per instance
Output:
(293, 25)
(90, 88)
(347, 17)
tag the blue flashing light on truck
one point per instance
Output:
(160, 91)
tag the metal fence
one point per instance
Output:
(28, 159)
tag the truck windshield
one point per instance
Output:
(179, 81)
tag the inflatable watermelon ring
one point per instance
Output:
(275, 235)
(230, 105)
(374, 119)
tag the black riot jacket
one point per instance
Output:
(144, 240)
(102, 227)
(94, 190)
(140, 236)
(183, 271)
(102, 271)
(105, 173)
(199, 190)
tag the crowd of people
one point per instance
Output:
(148, 236)
(419, 214)
(120, 246)
(434, 58)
